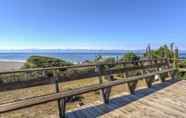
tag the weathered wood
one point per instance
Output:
(105, 92)
(132, 86)
(143, 105)
(162, 78)
(182, 69)
(174, 74)
(61, 95)
(105, 88)
(62, 107)
(168, 65)
(156, 63)
(125, 73)
(46, 81)
(61, 102)
(74, 66)
(149, 82)
(99, 70)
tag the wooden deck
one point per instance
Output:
(164, 100)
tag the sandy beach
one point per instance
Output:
(10, 65)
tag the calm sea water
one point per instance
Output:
(72, 57)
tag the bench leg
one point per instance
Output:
(173, 75)
(61, 102)
(61, 107)
(162, 78)
(132, 86)
(170, 74)
(149, 82)
(105, 94)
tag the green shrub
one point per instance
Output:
(43, 62)
(130, 56)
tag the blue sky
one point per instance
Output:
(91, 24)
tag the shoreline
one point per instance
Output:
(11, 60)
(9, 65)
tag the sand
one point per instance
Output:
(10, 65)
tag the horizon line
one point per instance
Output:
(72, 49)
(35, 49)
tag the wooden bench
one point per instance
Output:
(147, 71)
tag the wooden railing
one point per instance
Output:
(44, 80)
(147, 68)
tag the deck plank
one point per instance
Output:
(167, 100)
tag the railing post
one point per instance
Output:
(122, 75)
(105, 92)
(43, 73)
(156, 63)
(61, 102)
(131, 85)
(159, 62)
(165, 66)
(125, 74)
(108, 77)
(168, 66)
(149, 80)
(173, 74)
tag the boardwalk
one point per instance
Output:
(167, 100)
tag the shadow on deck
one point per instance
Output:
(98, 109)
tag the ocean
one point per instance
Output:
(71, 57)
